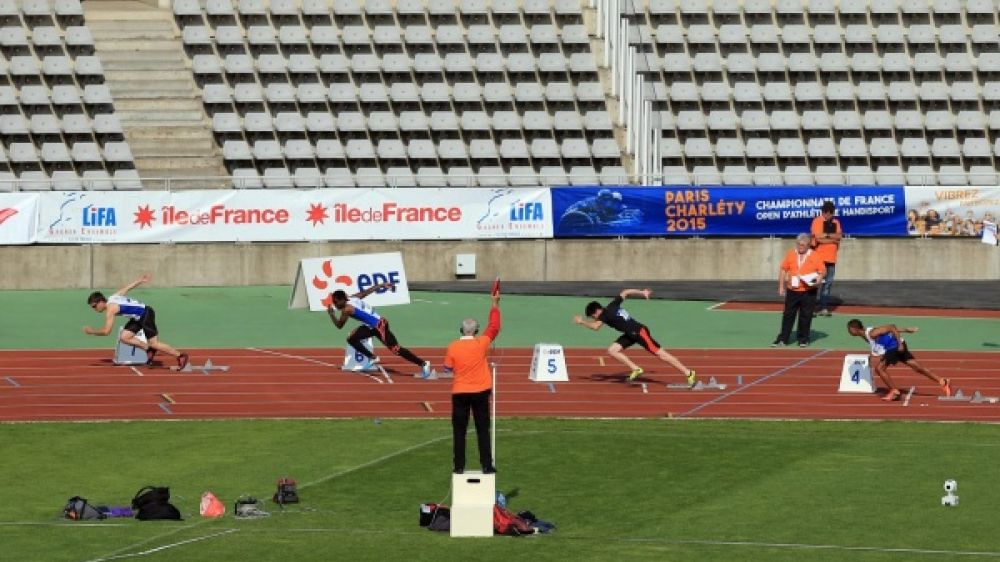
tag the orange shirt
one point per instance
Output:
(797, 265)
(828, 251)
(467, 358)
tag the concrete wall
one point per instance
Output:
(103, 266)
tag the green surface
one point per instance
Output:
(259, 317)
(617, 490)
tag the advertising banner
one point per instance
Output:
(317, 278)
(950, 211)
(724, 211)
(286, 215)
(18, 212)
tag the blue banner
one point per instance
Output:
(724, 211)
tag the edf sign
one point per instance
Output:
(366, 280)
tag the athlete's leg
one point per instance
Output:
(357, 340)
(156, 344)
(390, 341)
(615, 350)
(918, 368)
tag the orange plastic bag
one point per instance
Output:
(211, 506)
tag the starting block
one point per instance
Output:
(856, 375)
(959, 396)
(712, 384)
(354, 361)
(548, 363)
(205, 369)
(978, 398)
(126, 354)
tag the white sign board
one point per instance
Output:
(353, 359)
(317, 278)
(548, 364)
(856, 376)
(18, 213)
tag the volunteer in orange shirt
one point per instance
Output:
(826, 235)
(802, 273)
(472, 386)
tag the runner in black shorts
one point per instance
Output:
(140, 318)
(633, 332)
(887, 349)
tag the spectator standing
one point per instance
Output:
(801, 274)
(826, 235)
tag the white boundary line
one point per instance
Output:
(803, 546)
(136, 371)
(163, 547)
(716, 305)
(754, 383)
(316, 361)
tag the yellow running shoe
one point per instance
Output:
(692, 378)
(636, 373)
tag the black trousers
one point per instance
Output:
(801, 303)
(479, 404)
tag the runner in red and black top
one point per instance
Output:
(633, 332)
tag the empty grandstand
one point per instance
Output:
(344, 93)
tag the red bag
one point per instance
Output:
(211, 506)
(506, 523)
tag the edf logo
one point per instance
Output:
(99, 216)
(530, 211)
(366, 280)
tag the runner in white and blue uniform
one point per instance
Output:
(140, 317)
(372, 325)
(888, 348)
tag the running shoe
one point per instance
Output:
(182, 361)
(892, 395)
(150, 354)
(946, 386)
(636, 373)
(425, 370)
(370, 364)
(692, 379)
(777, 343)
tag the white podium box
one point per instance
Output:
(354, 361)
(126, 354)
(856, 375)
(548, 363)
(473, 496)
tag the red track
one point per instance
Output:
(84, 385)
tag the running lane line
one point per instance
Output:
(780, 371)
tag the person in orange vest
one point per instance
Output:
(801, 274)
(472, 386)
(826, 235)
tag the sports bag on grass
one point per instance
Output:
(153, 503)
(78, 509)
(506, 523)
(288, 491)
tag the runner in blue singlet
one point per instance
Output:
(141, 317)
(887, 349)
(372, 324)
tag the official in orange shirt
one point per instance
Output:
(472, 386)
(826, 234)
(801, 274)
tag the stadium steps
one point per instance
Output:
(604, 75)
(155, 94)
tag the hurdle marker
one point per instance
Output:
(601, 361)
(906, 402)
(136, 371)
(427, 406)
(168, 398)
(11, 381)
